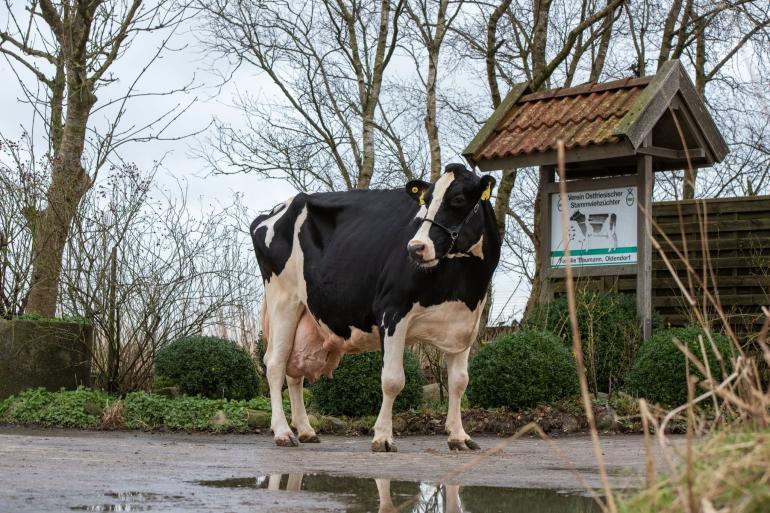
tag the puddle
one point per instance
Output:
(127, 501)
(385, 496)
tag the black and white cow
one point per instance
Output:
(370, 270)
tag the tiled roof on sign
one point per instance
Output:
(580, 116)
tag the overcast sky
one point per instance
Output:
(179, 162)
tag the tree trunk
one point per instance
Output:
(534, 294)
(604, 43)
(431, 124)
(507, 182)
(542, 10)
(370, 95)
(691, 173)
(669, 30)
(51, 226)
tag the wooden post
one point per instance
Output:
(546, 177)
(644, 246)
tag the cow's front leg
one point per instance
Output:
(457, 374)
(392, 383)
(383, 490)
(298, 413)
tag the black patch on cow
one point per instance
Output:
(273, 259)
(356, 266)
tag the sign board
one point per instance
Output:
(602, 227)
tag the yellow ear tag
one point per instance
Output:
(487, 192)
(415, 190)
(422, 199)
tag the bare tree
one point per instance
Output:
(430, 21)
(538, 44)
(147, 271)
(62, 54)
(22, 182)
(710, 35)
(327, 60)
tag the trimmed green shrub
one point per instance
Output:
(658, 374)
(609, 332)
(356, 389)
(521, 370)
(208, 366)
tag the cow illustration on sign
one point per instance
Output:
(597, 226)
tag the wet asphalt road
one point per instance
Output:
(71, 470)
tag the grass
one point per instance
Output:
(730, 473)
(90, 409)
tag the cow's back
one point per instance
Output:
(346, 241)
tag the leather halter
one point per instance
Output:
(454, 231)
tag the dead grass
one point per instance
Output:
(729, 471)
(730, 474)
(112, 416)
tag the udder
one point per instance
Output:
(313, 354)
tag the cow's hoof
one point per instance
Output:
(384, 446)
(309, 439)
(463, 445)
(286, 441)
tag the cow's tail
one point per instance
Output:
(265, 327)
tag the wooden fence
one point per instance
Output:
(729, 251)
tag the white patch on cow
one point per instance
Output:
(476, 250)
(422, 236)
(285, 299)
(422, 212)
(450, 326)
(275, 215)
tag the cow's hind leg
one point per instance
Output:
(299, 419)
(457, 374)
(284, 317)
(393, 380)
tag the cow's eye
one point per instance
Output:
(457, 201)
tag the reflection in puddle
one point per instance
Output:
(130, 501)
(123, 501)
(385, 496)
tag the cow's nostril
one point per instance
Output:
(415, 250)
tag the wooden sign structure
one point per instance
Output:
(616, 136)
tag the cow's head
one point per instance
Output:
(451, 221)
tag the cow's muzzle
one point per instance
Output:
(416, 250)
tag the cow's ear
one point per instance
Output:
(416, 189)
(486, 184)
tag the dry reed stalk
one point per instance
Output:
(690, 428)
(709, 376)
(649, 462)
(739, 392)
(577, 348)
